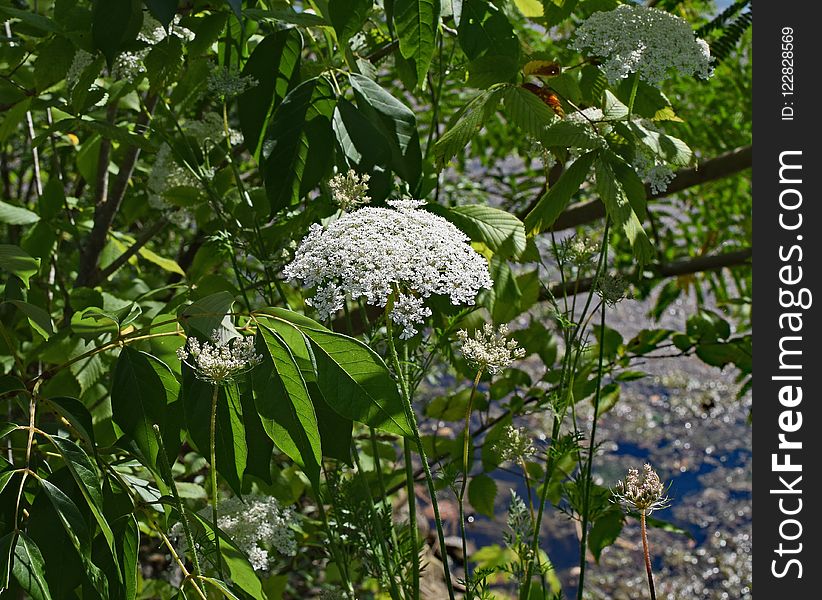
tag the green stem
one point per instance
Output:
(412, 419)
(634, 88)
(466, 438)
(647, 555)
(165, 469)
(412, 519)
(214, 491)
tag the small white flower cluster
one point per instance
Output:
(656, 173)
(81, 60)
(646, 41)
(612, 288)
(515, 443)
(226, 83)
(256, 524)
(400, 253)
(587, 115)
(219, 362)
(644, 493)
(350, 190)
(488, 350)
(129, 65)
(166, 174)
(577, 250)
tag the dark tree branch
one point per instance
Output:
(687, 266)
(105, 213)
(144, 237)
(709, 170)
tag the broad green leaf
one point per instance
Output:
(556, 11)
(128, 548)
(286, 15)
(483, 28)
(210, 314)
(142, 389)
(16, 215)
(76, 414)
(489, 69)
(348, 17)
(605, 531)
(115, 23)
(29, 568)
(162, 10)
(14, 260)
(620, 211)
(275, 65)
(528, 111)
(163, 62)
(237, 8)
(632, 185)
(466, 124)
(554, 201)
(365, 148)
(13, 117)
(84, 473)
(39, 319)
(77, 531)
(29, 17)
(568, 134)
(666, 147)
(7, 544)
(231, 448)
(501, 231)
(300, 142)
(167, 264)
(284, 404)
(397, 123)
(482, 490)
(529, 8)
(416, 23)
(356, 383)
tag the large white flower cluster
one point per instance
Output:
(400, 253)
(219, 362)
(646, 41)
(257, 525)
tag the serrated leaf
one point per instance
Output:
(210, 314)
(301, 143)
(142, 388)
(39, 319)
(415, 22)
(554, 201)
(484, 29)
(275, 65)
(29, 568)
(14, 260)
(501, 231)
(284, 404)
(347, 18)
(114, 24)
(668, 148)
(466, 124)
(528, 111)
(620, 211)
(356, 383)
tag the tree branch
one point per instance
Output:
(709, 170)
(104, 213)
(687, 266)
(142, 240)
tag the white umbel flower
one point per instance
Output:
(643, 493)
(488, 350)
(400, 253)
(258, 526)
(646, 41)
(219, 362)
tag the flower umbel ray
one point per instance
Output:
(643, 493)
(219, 362)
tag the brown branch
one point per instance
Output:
(687, 266)
(144, 237)
(709, 170)
(105, 213)
(383, 51)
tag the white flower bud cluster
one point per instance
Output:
(219, 362)
(81, 60)
(646, 41)
(350, 191)
(129, 65)
(514, 444)
(642, 493)
(256, 524)
(656, 173)
(402, 253)
(226, 83)
(488, 350)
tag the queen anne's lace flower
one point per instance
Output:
(646, 41)
(644, 493)
(350, 190)
(219, 362)
(256, 524)
(490, 351)
(129, 65)
(405, 254)
(656, 173)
